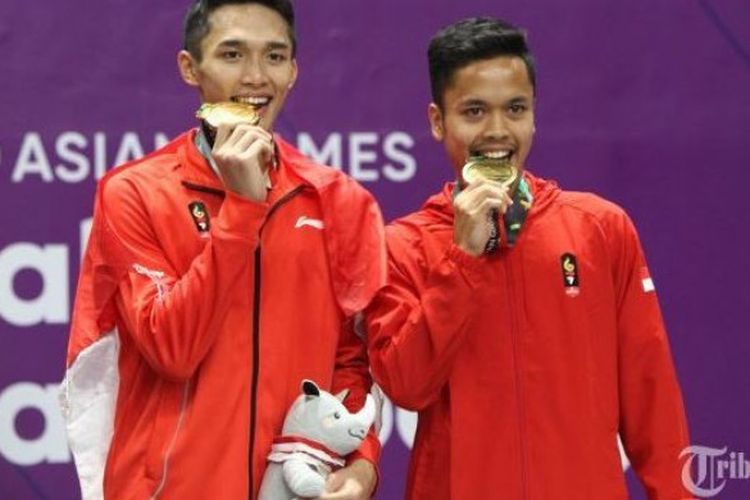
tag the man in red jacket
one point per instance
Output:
(524, 363)
(219, 274)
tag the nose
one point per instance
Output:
(254, 73)
(358, 432)
(497, 126)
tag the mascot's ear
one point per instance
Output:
(310, 389)
(341, 396)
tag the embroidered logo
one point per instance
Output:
(307, 221)
(646, 282)
(571, 281)
(200, 216)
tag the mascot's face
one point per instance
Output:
(322, 417)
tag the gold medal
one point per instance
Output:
(498, 170)
(492, 169)
(227, 113)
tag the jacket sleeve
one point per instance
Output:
(417, 322)
(173, 319)
(653, 425)
(351, 372)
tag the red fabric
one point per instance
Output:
(182, 420)
(521, 388)
(309, 442)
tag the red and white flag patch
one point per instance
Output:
(646, 281)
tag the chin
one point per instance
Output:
(267, 120)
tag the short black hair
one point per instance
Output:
(197, 21)
(470, 40)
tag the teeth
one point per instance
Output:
(253, 101)
(497, 155)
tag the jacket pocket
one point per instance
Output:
(168, 423)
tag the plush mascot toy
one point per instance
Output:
(318, 433)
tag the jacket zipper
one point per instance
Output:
(256, 333)
(168, 452)
(520, 402)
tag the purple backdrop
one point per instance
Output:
(645, 103)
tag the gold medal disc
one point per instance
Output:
(498, 170)
(228, 112)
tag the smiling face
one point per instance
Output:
(488, 109)
(245, 57)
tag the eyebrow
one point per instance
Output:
(473, 102)
(232, 43)
(519, 100)
(278, 46)
(236, 43)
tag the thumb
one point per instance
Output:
(334, 482)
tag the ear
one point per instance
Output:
(341, 396)
(435, 115)
(188, 68)
(310, 389)
(294, 74)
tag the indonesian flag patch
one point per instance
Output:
(646, 281)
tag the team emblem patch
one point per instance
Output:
(571, 281)
(200, 216)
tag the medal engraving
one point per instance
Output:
(231, 113)
(479, 167)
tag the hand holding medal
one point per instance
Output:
(492, 169)
(241, 149)
(489, 182)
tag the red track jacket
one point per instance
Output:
(199, 312)
(525, 365)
